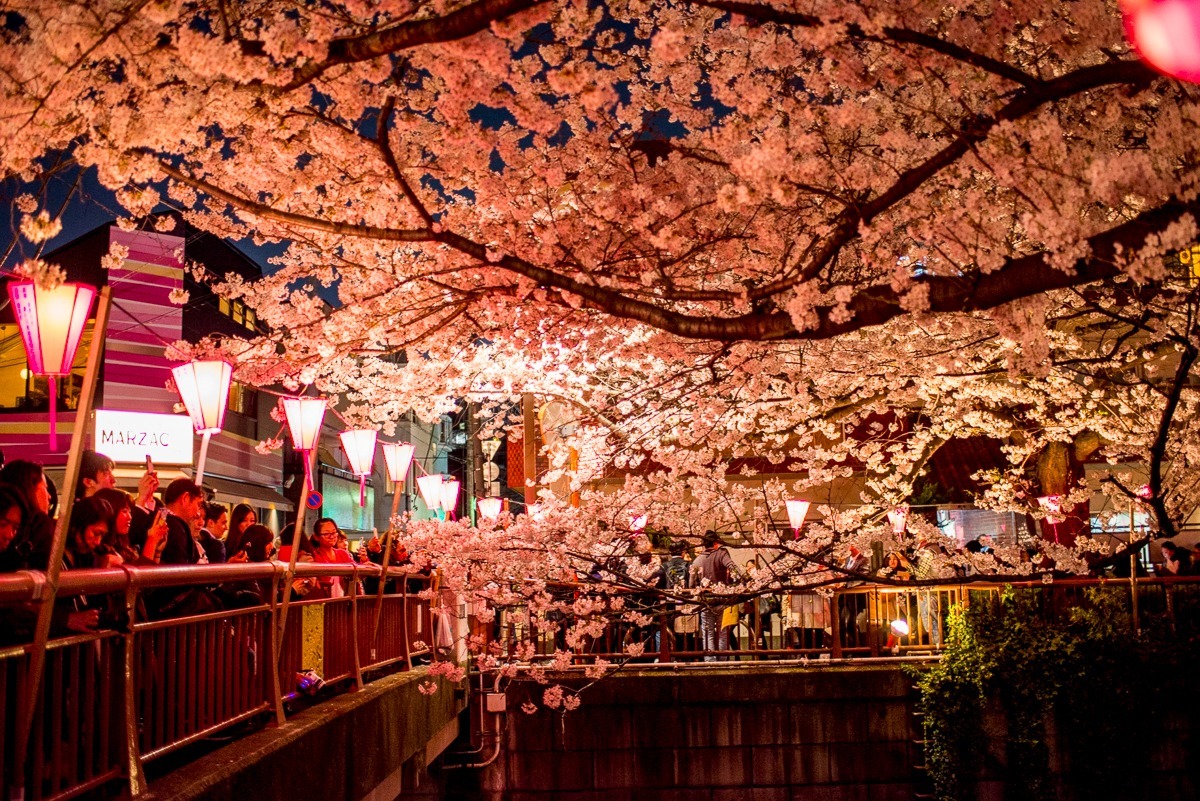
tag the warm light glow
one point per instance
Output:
(359, 445)
(25, 373)
(450, 495)
(898, 517)
(797, 511)
(430, 487)
(1166, 34)
(900, 627)
(204, 389)
(398, 456)
(51, 323)
(304, 416)
(489, 508)
(1052, 504)
(638, 522)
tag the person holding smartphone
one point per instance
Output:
(96, 473)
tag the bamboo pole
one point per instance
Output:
(37, 656)
(288, 576)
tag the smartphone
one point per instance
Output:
(149, 464)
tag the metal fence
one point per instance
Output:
(867, 620)
(112, 701)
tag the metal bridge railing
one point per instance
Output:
(866, 620)
(112, 701)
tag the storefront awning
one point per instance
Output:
(230, 491)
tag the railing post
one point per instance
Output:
(358, 675)
(276, 644)
(835, 626)
(873, 620)
(1133, 591)
(404, 625)
(133, 756)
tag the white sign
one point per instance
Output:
(132, 436)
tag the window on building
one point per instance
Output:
(251, 319)
(21, 390)
(242, 399)
(239, 312)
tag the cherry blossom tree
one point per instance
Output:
(830, 236)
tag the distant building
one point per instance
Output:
(142, 322)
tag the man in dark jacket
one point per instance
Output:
(184, 501)
(216, 523)
(714, 566)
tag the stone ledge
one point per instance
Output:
(320, 753)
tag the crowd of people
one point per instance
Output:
(173, 525)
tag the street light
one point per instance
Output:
(797, 511)
(51, 323)
(359, 445)
(304, 416)
(203, 387)
(1166, 34)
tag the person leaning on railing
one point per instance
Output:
(31, 548)
(117, 548)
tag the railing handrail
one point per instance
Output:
(24, 586)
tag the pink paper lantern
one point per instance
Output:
(797, 511)
(51, 323)
(304, 416)
(1166, 34)
(398, 457)
(430, 487)
(359, 446)
(450, 497)
(489, 508)
(898, 517)
(204, 389)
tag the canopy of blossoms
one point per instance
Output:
(832, 236)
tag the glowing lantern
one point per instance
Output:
(638, 522)
(203, 387)
(1166, 34)
(359, 445)
(489, 508)
(398, 457)
(450, 497)
(797, 511)
(898, 517)
(51, 323)
(304, 416)
(430, 487)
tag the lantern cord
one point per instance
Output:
(362, 490)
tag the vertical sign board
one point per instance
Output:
(127, 437)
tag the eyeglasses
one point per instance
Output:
(328, 533)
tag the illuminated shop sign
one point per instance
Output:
(132, 436)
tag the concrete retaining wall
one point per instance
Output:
(790, 734)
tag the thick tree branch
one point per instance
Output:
(973, 132)
(464, 22)
(763, 13)
(1018, 278)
